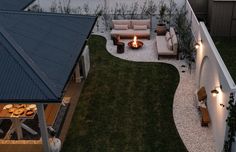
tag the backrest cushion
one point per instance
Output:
(175, 43)
(140, 27)
(170, 45)
(120, 27)
(141, 22)
(201, 94)
(167, 36)
(121, 22)
(172, 32)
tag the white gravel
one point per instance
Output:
(185, 113)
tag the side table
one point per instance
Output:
(120, 47)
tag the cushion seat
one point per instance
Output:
(162, 48)
(131, 33)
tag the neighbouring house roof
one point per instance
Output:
(38, 52)
(14, 4)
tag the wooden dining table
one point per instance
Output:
(17, 121)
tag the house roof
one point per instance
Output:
(14, 4)
(38, 52)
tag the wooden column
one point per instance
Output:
(43, 127)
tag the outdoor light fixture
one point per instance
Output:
(197, 45)
(215, 91)
(222, 105)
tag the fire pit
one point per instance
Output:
(135, 44)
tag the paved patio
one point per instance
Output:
(185, 113)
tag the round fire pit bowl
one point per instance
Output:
(139, 44)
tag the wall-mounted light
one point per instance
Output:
(215, 91)
(197, 45)
(222, 105)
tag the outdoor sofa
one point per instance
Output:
(131, 28)
(167, 45)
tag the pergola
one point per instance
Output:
(38, 54)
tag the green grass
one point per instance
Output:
(124, 106)
(227, 50)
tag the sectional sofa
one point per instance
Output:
(131, 28)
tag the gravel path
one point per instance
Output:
(185, 113)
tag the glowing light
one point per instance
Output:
(197, 45)
(135, 44)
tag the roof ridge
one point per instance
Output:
(46, 13)
(40, 74)
(27, 5)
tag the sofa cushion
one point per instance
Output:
(140, 27)
(172, 32)
(168, 36)
(120, 27)
(121, 22)
(131, 33)
(169, 44)
(141, 22)
(175, 43)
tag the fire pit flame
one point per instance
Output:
(135, 44)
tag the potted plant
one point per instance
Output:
(161, 26)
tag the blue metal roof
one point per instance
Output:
(38, 52)
(14, 4)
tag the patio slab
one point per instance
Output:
(185, 113)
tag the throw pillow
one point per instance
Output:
(141, 22)
(169, 45)
(168, 36)
(172, 31)
(140, 27)
(121, 27)
(175, 43)
(121, 22)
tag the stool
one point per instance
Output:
(120, 47)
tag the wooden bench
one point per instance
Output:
(205, 116)
(202, 106)
(51, 112)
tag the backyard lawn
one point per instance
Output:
(124, 106)
(227, 50)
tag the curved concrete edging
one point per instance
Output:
(185, 113)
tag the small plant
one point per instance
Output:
(98, 12)
(171, 11)
(231, 122)
(151, 7)
(36, 8)
(134, 10)
(143, 9)
(86, 8)
(185, 37)
(123, 10)
(53, 7)
(66, 6)
(162, 13)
